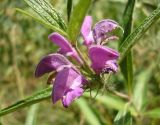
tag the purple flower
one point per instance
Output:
(68, 83)
(104, 59)
(67, 86)
(101, 31)
(65, 46)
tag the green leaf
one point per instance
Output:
(38, 97)
(32, 115)
(154, 113)
(87, 112)
(126, 65)
(77, 18)
(69, 8)
(45, 10)
(47, 25)
(140, 88)
(138, 33)
(123, 118)
(109, 101)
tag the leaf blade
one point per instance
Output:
(154, 113)
(109, 101)
(47, 25)
(69, 8)
(87, 111)
(138, 33)
(38, 97)
(45, 10)
(140, 88)
(32, 115)
(77, 17)
(123, 118)
(126, 65)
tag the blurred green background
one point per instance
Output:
(23, 42)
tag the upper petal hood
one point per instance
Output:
(51, 62)
(101, 29)
(99, 56)
(65, 46)
(86, 31)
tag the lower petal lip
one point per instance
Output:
(99, 55)
(65, 80)
(95, 48)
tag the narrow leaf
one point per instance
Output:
(140, 88)
(123, 118)
(47, 25)
(38, 97)
(109, 101)
(87, 112)
(138, 33)
(32, 115)
(45, 10)
(126, 65)
(77, 18)
(69, 8)
(154, 113)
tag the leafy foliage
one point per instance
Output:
(47, 12)
(24, 41)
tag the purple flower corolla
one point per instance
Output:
(104, 59)
(67, 86)
(100, 32)
(68, 83)
(65, 46)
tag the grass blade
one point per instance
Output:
(32, 115)
(123, 118)
(77, 18)
(126, 65)
(154, 113)
(69, 8)
(140, 89)
(138, 33)
(87, 111)
(109, 101)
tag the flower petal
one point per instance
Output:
(52, 62)
(86, 31)
(59, 40)
(101, 29)
(71, 95)
(111, 66)
(99, 56)
(65, 46)
(64, 81)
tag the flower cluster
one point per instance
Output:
(69, 82)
